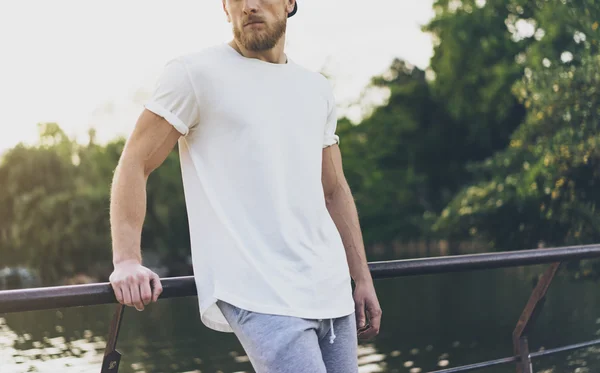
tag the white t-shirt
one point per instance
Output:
(251, 157)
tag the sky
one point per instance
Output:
(93, 63)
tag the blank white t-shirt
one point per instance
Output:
(253, 133)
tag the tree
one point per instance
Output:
(54, 212)
(474, 65)
(391, 158)
(543, 187)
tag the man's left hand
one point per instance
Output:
(367, 306)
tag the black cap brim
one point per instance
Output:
(294, 11)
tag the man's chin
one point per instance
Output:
(257, 45)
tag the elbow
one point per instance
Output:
(328, 200)
(147, 171)
(146, 166)
(332, 194)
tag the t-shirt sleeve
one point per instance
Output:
(174, 97)
(330, 136)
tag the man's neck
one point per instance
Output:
(273, 55)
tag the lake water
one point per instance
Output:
(429, 322)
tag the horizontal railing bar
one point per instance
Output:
(47, 298)
(564, 349)
(485, 364)
(463, 263)
(96, 294)
(514, 359)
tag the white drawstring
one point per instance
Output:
(332, 336)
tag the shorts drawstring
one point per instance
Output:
(332, 336)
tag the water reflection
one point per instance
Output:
(24, 354)
(430, 323)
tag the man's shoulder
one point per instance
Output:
(314, 77)
(207, 55)
(199, 65)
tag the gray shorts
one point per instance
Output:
(282, 344)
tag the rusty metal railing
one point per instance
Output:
(86, 295)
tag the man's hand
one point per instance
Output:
(367, 305)
(131, 284)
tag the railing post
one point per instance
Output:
(112, 357)
(528, 317)
(524, 365)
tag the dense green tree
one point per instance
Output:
(54, 209)
(391, 158)
(544, 186)
(52, 218)
(474, 65)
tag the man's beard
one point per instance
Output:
(261, 40)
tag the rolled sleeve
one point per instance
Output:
(330, 137)
(174, 97)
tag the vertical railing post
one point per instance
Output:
(524, 365)
(528, 316)
(112, 357)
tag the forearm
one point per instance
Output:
(127, 211)
(343, 211)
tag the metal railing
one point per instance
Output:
(95, 294)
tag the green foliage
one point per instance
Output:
(54, 212)
(390, 158)
(543, 187)
(474, 65)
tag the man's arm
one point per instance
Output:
(342, 209)
(152, 140)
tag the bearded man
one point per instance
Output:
(275, 235)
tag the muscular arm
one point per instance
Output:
(147, 147)
(342, 209)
